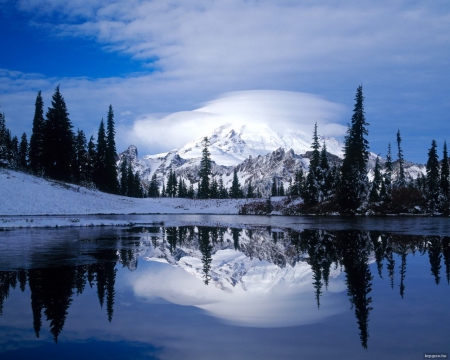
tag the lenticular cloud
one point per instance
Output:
(279, 111)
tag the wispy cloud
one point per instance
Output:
(196, 50)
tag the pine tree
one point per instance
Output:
(388, 174)
(91, 159)
(433, 177)
(297, 186)
(214, 189)
(191, 192)
(23, 152)
(235, 191)
(171, 188)
(130, 181)
(58, 140)
(111, 184)
(37, 137)
(401, 178)
(124, 177)
(274, 190)
(223, 194)
(354, 182)
(250, 191)
(376, 183)
(312, 185)
(281, 189)
(81, 158)
(325, 178)
(138, 190)
(13, 151)
(153, 190)
(3, 141)
(445, 174)
(205, 171)
(100, 161)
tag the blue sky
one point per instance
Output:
(151, 59)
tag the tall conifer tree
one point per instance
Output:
(205, 171)
(388, 174)
(58, 140)
(100, 161)
(401, 178)
(23, 152)
(445, 174)
(433, 177)
(37, 137)
(354, 182)
(91, 159)
(312, 184)
(111, 182)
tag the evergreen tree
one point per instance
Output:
(91, 159)
(4, 140)
(445, 174)
(325, 176)
(23, 152)
(274, 190)
(13, 151)
(205, 171)
(131, 191)
(433, 177)
(171, 188)
(388, 174)
(281, 189)
(100, 161)
(37, 137)
(58, 140)
(124, 177)
(312, 185)
(250, 191)
(235, 191)
(298, 184)
(223, 194)
(191, 192)
(401, 178)
(138, 190)
(81, 158)
(111, 184)
(153, 190)
(214, 189)
(354, 182)
(376, 183)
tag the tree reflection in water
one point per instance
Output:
(52, 288)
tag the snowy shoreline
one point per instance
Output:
(30, 201)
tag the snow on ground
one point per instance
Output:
(23, 194)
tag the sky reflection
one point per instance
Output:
(285, 299)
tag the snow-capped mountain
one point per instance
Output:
(231, 146)
(258, 153)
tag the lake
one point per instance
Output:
(227, 287)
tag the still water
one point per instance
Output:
(227, 287)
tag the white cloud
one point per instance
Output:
(278, 110)
(283, 305)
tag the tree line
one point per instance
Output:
(346, 188)
(56, 151)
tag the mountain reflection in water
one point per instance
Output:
(247, 273)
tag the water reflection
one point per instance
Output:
(251, 276)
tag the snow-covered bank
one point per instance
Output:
(23, 194)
